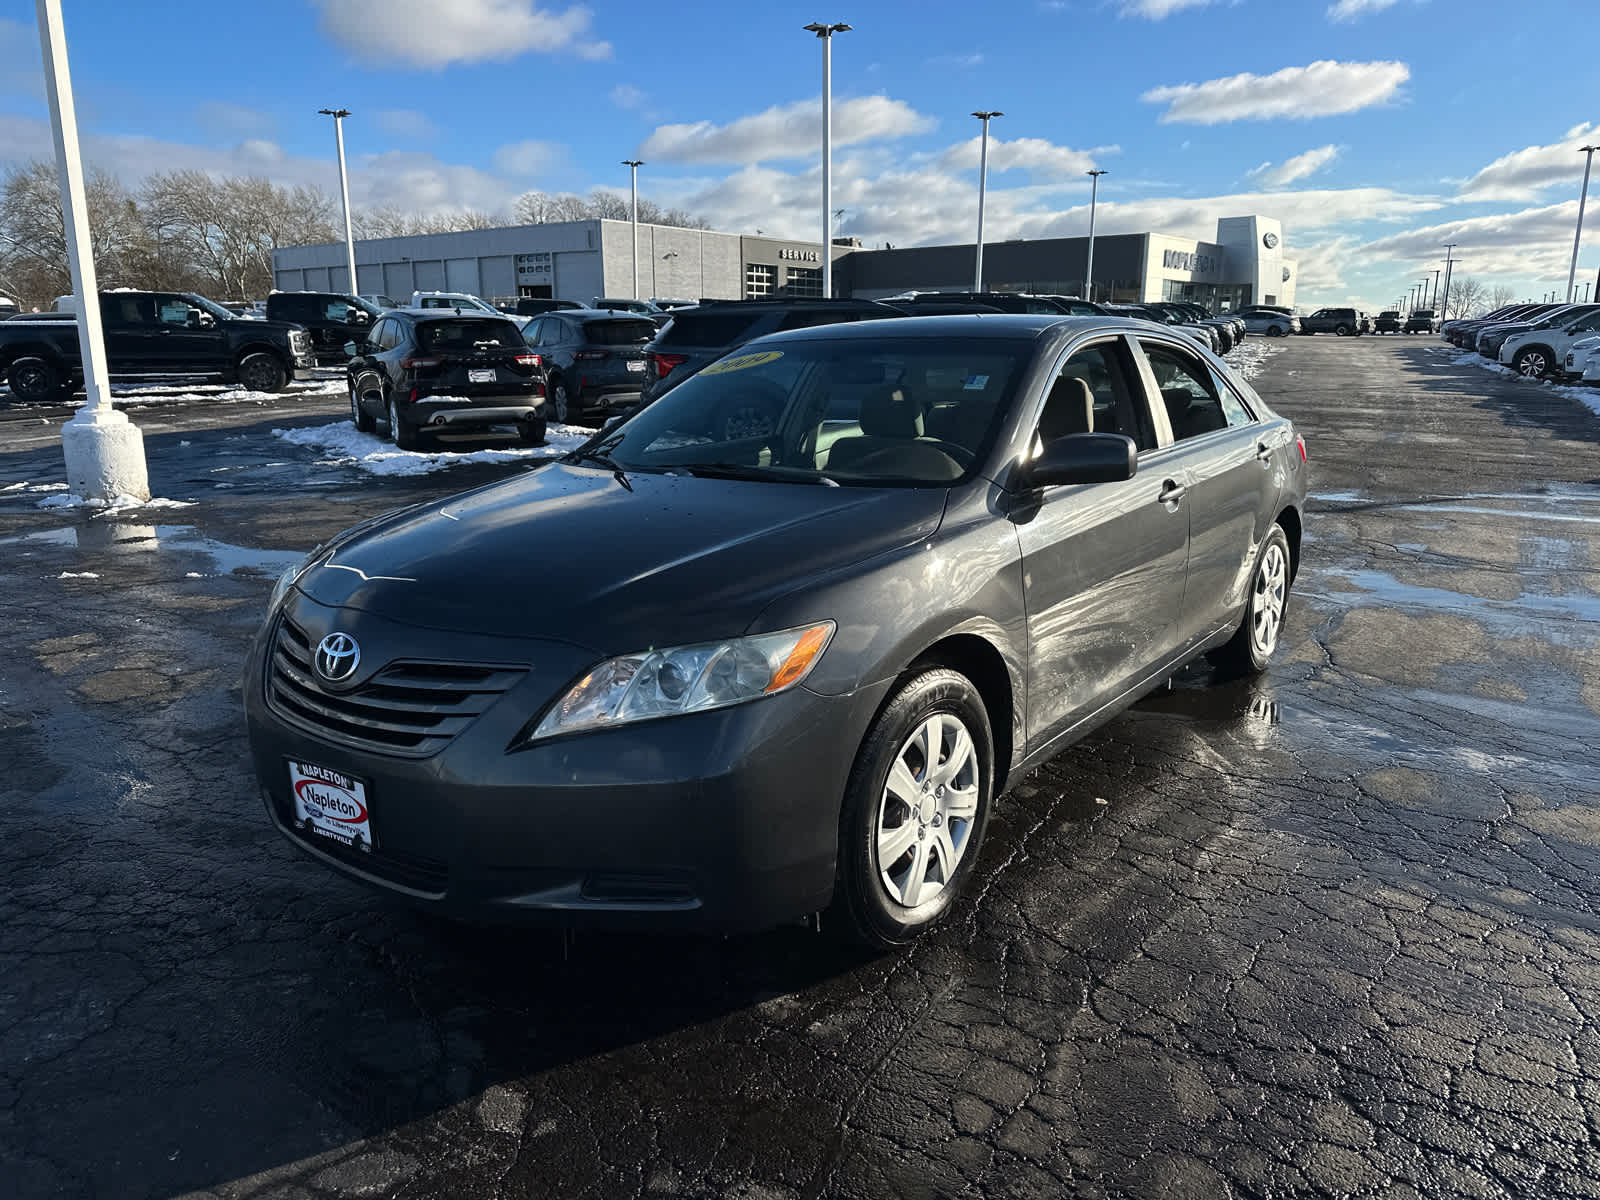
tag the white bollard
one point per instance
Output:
(105, 455)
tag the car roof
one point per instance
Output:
(595, 314)
(478, 313)
(969, 325)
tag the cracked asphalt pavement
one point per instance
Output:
(1330, 933)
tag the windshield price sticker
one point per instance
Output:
(975, 383)
(743, 362)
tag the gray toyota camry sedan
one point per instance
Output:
(774, 646)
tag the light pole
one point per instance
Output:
(1435, 304)
(633, 165)
(1583, 195)
(983, 178)
(826, 32)
(338, 115)
(104, 451)
(1449, 262)
(1094, 194)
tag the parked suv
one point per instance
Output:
(1345, 322)
(595, 361)
(918, 303)
(1422, 320)
(154, 333)
(533, 306)
(1491, 337)
(1273, 322)
(1390, 321)
(422, 371)
(693, 338)
(1538, 352)
(329, 317)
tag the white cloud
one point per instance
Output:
(1523, 174)
(428, 33)
(1321, 89)
(406, 123)
(784, 131)
(957, 61)
(1298, 167)
(527, 158)
(1534, 242)
(1158, 10)
(1349, 10)
(625, 95)
(1031, 154)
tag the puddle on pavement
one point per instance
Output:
(124, 536)
(1501, 618)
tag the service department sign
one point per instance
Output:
(800, 255)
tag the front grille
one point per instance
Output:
(411, 709)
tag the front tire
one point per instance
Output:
(262, 372)
(915, 810)
(1275, 331)
(1532, 362)
(34, 380)
(1251, 648)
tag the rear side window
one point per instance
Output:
(292, 308)
(464, 336)
(708, 329)
(618, 333)
(1187, 390)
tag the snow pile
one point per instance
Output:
(119, 504)
(1250, 357)
(77, 575)
(366, 452)
(1587, 396)
(129, 395)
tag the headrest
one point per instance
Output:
(1069, 409)
(1177, 401)
(889, 412)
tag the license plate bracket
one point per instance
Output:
(480, 375)
(330, 804)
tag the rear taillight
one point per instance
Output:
(1301, 443)
(411, 364)
(527, 360)
(665, 364)
(589, 355)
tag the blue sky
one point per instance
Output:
(1374, 129)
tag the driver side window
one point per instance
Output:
(173, 310)
(1094, 393)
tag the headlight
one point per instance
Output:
(287, 581)
(684, 679)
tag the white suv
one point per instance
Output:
(1537, 353)
(1583, 360)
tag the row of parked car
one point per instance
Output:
(1540, 341)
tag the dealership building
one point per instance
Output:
(582, 260)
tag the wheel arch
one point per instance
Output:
(11, 353)
(980, 661)
(1289, 520)
(278, 352)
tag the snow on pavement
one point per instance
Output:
(1587, 396)
(1249, 357)
(367, 452)
(119, 504)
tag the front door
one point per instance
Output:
(1104, 563)
(1232, 483)
(185, 342)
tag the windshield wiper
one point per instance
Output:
(727, 470)
(599, 453)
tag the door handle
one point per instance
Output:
(1263, 452)
(164, 331)
(1171, 491)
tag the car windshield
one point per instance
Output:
(465, 336)
(851, 412)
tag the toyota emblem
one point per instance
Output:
(337, 657)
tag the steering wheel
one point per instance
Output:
(752, 412)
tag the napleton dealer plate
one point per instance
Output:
(331, 804)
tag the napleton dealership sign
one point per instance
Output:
(1183, 260)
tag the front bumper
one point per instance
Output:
(717, 821)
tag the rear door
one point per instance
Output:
(1226, 458)
(1104, 563)
(128, 320)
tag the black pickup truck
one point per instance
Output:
(155, 333)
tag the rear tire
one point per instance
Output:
(1250, 649)
(925, 813)
(1341, 330)
(404, 436)
(262, 372)
(558, 402)
(360, 417)
(532, 433)
(35, 381)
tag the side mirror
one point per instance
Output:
(352, 349)
(1083, 458)
(357, 316)
(612, 422)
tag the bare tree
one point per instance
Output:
(541, 208)
(388, 220)
(33, 232)
(1499, 296)
(1466, 298)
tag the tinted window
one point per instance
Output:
(618, 333)
(292, 308)
(173, 310)
(127, 310)
(464, 336)
(708, 329)
(1187, 390)
(868, 413)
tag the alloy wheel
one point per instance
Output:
(1267, 604)
(1532, 365)
(927, 809)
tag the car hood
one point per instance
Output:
(257, 325)
(571, 552)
